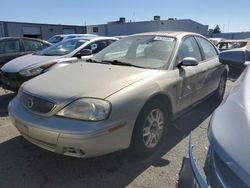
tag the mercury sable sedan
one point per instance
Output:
(124, 97)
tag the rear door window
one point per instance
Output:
(9, 46)
(32, 45)
(208, 48)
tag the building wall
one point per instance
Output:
(183, 25)
(43, 31)
(102, 30)
(130, 28)
(117, 29)
(1, 30)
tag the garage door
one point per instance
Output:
(69, 31)
(33, 32)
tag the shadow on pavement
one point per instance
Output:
(25, 165)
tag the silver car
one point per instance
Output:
(125, 97)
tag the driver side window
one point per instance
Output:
(189, 48)
(97, 46)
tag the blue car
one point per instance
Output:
(227, 163)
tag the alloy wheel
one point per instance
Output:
(153, 128)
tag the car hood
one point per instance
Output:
(29, 60)
(229, 131)
(95, 80)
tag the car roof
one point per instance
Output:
(225, 41)
(44, 41)
(67, 35)
(176, 34)
(103, 38)
(92, 39)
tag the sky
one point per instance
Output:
(230, 15)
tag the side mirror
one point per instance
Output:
(84, 52)
(189, 61)
(233, 57)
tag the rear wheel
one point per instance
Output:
(149, 129)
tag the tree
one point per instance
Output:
(217, 29)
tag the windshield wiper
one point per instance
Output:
(92, 61)
(49, 54)
(116, 62)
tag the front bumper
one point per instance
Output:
(68, 136)
(189, 176)
(218, 174)
(11, 81)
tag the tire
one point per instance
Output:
(219, 93)
(150, 128)
(186, 175)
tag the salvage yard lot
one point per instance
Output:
(25, 165)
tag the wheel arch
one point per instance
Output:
(161, 97)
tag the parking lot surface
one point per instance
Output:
(24, 165)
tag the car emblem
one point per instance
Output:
(29, 102)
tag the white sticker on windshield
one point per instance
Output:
(164, 38)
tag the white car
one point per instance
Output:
(59, 38)
(21, 69)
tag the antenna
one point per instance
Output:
(85, 22)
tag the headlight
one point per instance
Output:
(89, 109)
(34, 71)
(31, 72)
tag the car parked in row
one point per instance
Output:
(125, 97)
(231, 44)
(215, 41)
(227, 163)
(13, 47)
(21, 69)
(58, 38)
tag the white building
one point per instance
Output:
(119, 28)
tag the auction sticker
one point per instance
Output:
(164, 38)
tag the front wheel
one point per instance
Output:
(221, 88)
(149, 129)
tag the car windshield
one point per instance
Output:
(139, 51)
(55, 39)
(63, 48)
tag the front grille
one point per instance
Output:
(11, 76)
(12, 81)
(37, 104)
